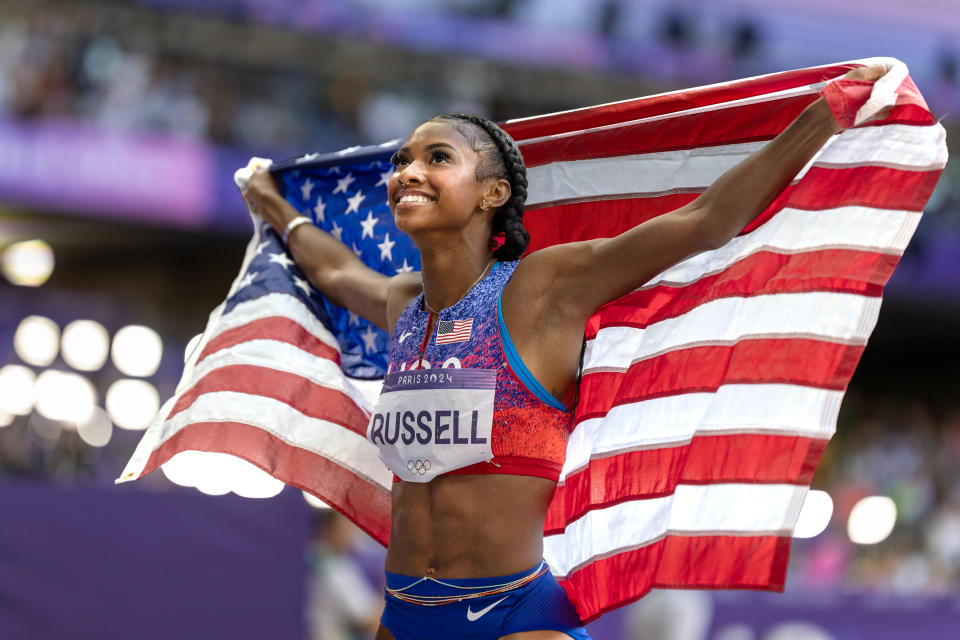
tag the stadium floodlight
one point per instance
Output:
(36, 340)
(28, 263)
(132, 404)
(17, 389)
(85, 345)
(96, 430)
(250, 481)
(314, 501)
(65, 396)
(815, 514)
(213, 473)
(871, 520)
(137, 350)
(218, 473)
(180, 469)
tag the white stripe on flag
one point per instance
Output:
(647, 173)
(725, 509)
(690, 170)
(796, 230)
(324, 438)
(283, 356)
(836, 317)
(780, 409)
(898, 146)
(274, 305)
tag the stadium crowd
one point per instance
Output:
(908, 449)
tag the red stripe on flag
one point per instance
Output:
(311, 399)
(799, 361)
(877, 187)
(279, 328)
(751, 123)
(365, 503)
(910, 109)
(741, 562)
(706, 459)
(595, 219)
(761, 273)
(604, 115)
(709, 562)
(748, 123)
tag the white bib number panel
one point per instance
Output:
(431, 421)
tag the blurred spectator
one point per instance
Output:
(342, 603)
(670, 614)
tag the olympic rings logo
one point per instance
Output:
(418, 467)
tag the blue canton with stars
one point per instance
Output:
(345, 194)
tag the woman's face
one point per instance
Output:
(435, 185)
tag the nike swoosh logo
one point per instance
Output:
(404, 336)
(472, 617)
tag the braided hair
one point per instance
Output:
(499, 158)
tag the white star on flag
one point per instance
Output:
(337, 232)
(369, 339)
(406, 268)
(386, 248)
(306, 188)
(302, 284)
(354, 318)
(318, 210)
(247, 279)
(262, 246)
(368, 225)
(384, 177)
(355, 201)
(281, 259)
(356, 250)
(343, 183)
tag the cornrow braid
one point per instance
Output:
(501, 159)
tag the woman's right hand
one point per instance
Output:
(263, 198)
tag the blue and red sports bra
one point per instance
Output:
(465, 403)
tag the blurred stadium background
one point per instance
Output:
(121, 123)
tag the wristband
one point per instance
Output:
(845, 97)
(293, 224)
(853, 102)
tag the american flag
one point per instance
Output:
(708, 394)
(450, 331)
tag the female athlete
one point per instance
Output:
(476, 456)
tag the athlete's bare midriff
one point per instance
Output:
(468, 526)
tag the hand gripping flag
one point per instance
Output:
(708, 393)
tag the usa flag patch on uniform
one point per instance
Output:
(450, 331)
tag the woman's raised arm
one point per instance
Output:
(589, 274)
(330, 265)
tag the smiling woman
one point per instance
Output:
(477, 451)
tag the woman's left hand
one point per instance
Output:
(869, 74)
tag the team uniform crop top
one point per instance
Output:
(470, 406)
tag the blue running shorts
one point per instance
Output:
(539, 604)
